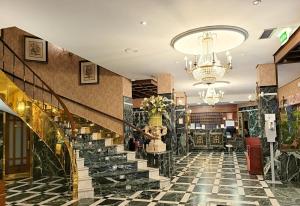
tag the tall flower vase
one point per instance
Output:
(155, 120)
(156, 129)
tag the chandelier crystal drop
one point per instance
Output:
(207, 68)
(211, 97)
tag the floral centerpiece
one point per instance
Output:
(155, 106)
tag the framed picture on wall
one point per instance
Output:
(35, 49)
(88, 73)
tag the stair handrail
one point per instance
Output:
(110, 116)
(69, 115)
(71, 151)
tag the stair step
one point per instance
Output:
(85, 182)
(141, 163)
(153, 172)
(112, 167)
(120, 175)
(83, 172)
(163, 181)
(120, 148)
(86, 193)
(111, 158)
(128, 186)
(80, 162)
(131, 155)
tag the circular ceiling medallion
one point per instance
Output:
(226, 38)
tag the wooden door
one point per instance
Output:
(17, 148)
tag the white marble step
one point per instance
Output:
(85, 182)
(141, 164)
(120, 148)
(83, 172)
(153, 172)
(108, 142)
(85, 193)
(130, 155)
(80, 163)
(164, 182)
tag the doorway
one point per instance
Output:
(17, 141)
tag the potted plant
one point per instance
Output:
(155, 106)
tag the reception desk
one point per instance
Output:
(207, 139)
(2, 193)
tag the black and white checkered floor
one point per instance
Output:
(201, 178)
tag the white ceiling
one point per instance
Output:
(100, 30)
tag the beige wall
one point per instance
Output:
(61, 73)
(266, 75)
(289, 89)
(165, 83)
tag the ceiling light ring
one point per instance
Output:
(208, 29)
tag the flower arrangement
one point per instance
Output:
(154, 105)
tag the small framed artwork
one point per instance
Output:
(89, 72)
(35, 49)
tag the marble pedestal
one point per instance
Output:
(156, 145)
(163, 161)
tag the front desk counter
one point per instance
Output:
(214, 139)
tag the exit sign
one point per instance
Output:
(284, 37)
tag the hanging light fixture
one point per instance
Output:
(206, 67)
(211, 97)
(205, 43)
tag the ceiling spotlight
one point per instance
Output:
(130, 50)
(144, 23)
(256, 2)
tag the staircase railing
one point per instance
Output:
(102, 113)
(24, 92)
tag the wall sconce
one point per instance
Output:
(21, 106)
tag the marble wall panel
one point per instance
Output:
(45, 163)
(181, 148)
(128, 117)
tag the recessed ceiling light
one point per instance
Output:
(144, 23)
(130, 50)
(256, 2)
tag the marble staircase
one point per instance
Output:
(111, 170)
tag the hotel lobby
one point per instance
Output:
(144, 103)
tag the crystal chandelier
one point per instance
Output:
(207, 68)
(211, 97)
